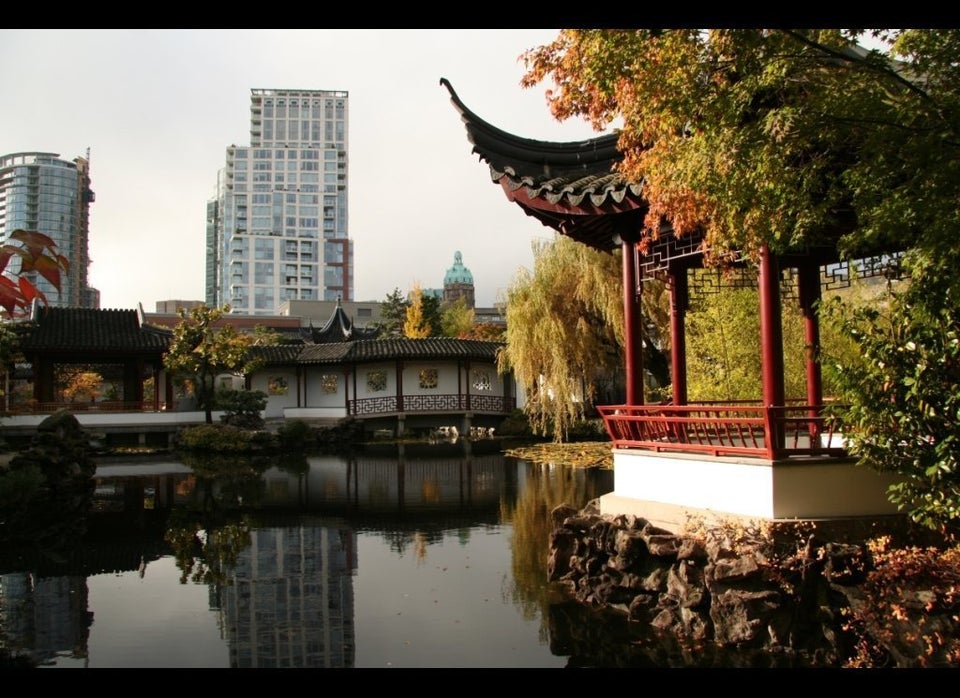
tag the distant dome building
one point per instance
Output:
(458, 282)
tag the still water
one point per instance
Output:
(408, 557)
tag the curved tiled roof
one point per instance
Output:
(572, 187)
(92, 330)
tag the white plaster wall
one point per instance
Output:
(313, 387)
(276, 403)
(363, 392)
(446, 378)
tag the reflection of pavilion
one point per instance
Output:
(376, 486)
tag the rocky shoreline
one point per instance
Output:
(782, 590)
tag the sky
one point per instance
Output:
(157, 109)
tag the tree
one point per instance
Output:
(393, 315)
(795, 138)
(416, 326)
(564, 331)
(200, 350)
(37, 254)
(900, 393)
(485, 332)
(456, 319)
(780, 137)
(432, 315)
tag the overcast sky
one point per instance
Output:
(158, 107)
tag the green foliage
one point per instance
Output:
(901, 395)
(564, 331)
(517, 424)
(393, 315)
(295, 434)
(223, 438)
(201, 349)
(456, 319)
(242, 408)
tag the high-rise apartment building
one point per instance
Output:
(277, 229)
(40, 192)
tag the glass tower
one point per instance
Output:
(277, 229)
(40, 192)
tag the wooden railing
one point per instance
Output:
(724, 430)
(104, 406)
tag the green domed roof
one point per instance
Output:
(457, 274)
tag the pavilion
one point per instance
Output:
(771, 459)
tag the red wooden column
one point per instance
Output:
(679, 304)
(809, 288)
(633, 344)
(771, 347)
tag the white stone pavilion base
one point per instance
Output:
(669, 489)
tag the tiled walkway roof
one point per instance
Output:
(370, 350)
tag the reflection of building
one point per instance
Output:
(44, 616)
(289, 600)
(39, 192)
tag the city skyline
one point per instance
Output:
(158, 124)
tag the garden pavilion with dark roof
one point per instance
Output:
(774, 458)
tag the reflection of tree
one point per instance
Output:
(546, 488)
(420, 547)
(206, 555)
(208, 536)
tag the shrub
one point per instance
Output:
(223, 438)
(517, 424)
(243, 408)
(295, 433)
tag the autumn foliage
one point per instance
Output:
(37, 254)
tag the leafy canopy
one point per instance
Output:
(564, 331)
(201, 349)
(785, 137)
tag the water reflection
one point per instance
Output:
(417, 556)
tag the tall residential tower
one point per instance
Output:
(277, 229)
(40, 192)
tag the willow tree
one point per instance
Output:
(564, 331)
(790, 138)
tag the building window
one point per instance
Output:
(480, 380)
(376, 381)
(428, 378)
(328, 383)
(277, 386)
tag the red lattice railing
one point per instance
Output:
(724, 430)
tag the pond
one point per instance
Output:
(407, 557)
